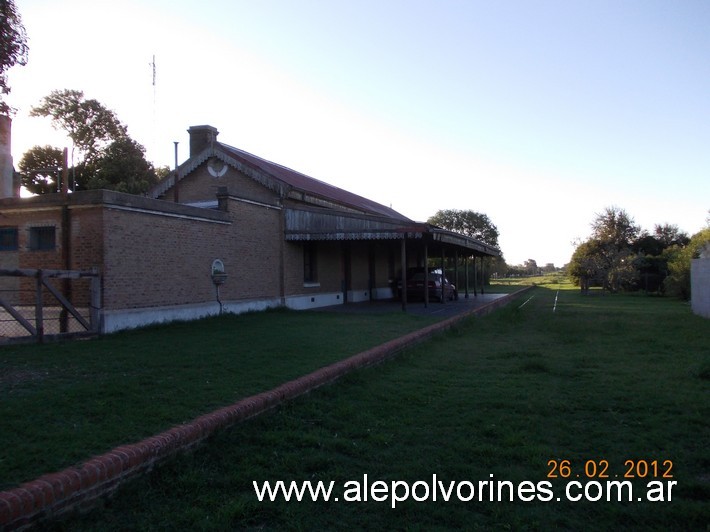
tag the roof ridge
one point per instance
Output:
(288, 168)
(362, 203)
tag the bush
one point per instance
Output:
(678, 281)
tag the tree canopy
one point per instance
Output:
(619, 255)
(678, 281)
(13, 46)
(89, 124)
(39, 169)
(122, 167)
(108, 157)
(466, 222)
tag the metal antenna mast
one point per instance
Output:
(153, 141)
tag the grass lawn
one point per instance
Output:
(598, 382)
(62, 403)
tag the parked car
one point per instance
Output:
(415, 286)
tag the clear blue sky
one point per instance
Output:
(537, 113)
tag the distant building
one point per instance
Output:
(283, 238)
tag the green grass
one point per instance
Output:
(62, 403)
(611, 378)
(551, 280)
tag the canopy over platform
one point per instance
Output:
(323, 224)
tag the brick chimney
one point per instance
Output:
(201, 137)
(7, 169)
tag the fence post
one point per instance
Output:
(39, 321)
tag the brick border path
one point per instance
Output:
(79, 487)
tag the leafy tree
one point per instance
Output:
(122, 167)
(13, 46)
(607, 257)
(647, 244)
(39, 169)
(652, 252)
(473, 224)
(109, 158)
(531, 267)
(587, 266)
(89, 124)
(162, 172)
(678, 281)
(615, 228)
(669, 235)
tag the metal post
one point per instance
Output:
(66, 242)
(442, 273)
(456, 269)
(426, 275)
(404, 273)
(465, 266)
(39, 320)
(176, 194)
(475, 278)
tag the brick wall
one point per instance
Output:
(155, 259)
(84, 252)
(201, 186)
(155, 253)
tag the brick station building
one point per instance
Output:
(284, 239)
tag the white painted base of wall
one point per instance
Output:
(117, 320)
(700, 287)
(358, 296)
(309, 301)
(305, 302)
(383, 293)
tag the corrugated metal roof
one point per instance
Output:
(310, 185)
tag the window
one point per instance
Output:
(8, 239)
(310, 263)
(42, 238)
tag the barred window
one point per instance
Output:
(43, 238)
(8, 239)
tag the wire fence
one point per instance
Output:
(38, 305)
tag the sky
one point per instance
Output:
(538, 113)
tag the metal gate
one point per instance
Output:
(40, 305)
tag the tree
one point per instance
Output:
(614, 227)
(615, 231)
(669, 235)
(109, 158)
(586, 266)
(647, 244)
(13, 46)
(122, 167)
(473, 224)
(89, 124)
(531, 267)
(39, 169)
(607, 256)
(678, 281)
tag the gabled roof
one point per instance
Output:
(302, 182)
(321, 211)
(280, 178)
